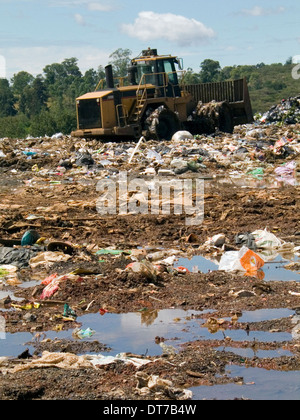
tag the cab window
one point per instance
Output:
(169, 69)
(146, 69)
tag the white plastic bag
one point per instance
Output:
(266, 240)
(181, 136)
(243, 260)
(229, 260)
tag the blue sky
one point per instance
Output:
(34, 33)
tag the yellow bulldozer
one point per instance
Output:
(155, 102)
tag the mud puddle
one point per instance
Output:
(259, 181)
(249, 353)
(4, 294)
(132, 332)
(253, 334)
(253, 384)
(273, 270)
(137, 332)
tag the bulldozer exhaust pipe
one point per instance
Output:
(109, 77)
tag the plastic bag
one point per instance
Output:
(246, 239)
(16, 256)
(48, 258)
(250, 261)
(145, 268)
(266, 240)
(7, 270)
(81, 333)
(286, 169)
(53, 283)
(153, 155)
(243, 260)
(182, 136)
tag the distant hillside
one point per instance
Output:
(268, 83)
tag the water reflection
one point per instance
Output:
(258, 384)
(148, 317)
(137, 332)
(273, 270)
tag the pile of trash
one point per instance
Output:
(253, 251)
(287, 112)
(61, 160)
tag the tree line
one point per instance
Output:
(45, 104)
(268, 83)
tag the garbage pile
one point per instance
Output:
(252, 147)
(287, 112)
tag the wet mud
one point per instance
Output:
(66, 212)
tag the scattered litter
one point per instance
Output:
(287, 112)
(46, 259)
(54, 282)
(80, 333)
(266, 240)
(144, 268)
(59, 360)
(18, 257)
(100, 360)
(151, 384)
(243, 260)
(60, 173)
(30, 237)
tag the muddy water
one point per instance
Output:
(132, 332)
(273, 270)
(136, 332)
(257, 384)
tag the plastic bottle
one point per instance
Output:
(30, 237)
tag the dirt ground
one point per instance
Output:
(69, 215)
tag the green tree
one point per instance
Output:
(89, 81)
(289, 61)
(43, 124)
(33, 98)
(210, 71)
(7, 99)
(255, 81)
(225, 73)
(63, 78)
(239, 72)
(14, 127)
(191, 78)
(20, 81)
(120, 60)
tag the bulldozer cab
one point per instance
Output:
(159, 71)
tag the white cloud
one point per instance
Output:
(260, 11)
(2, 67)
(175, 28)
(79, 19)
(100, 7)
(95, 5)
(231, 48)
(34, 59)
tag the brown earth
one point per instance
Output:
(69, 215)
